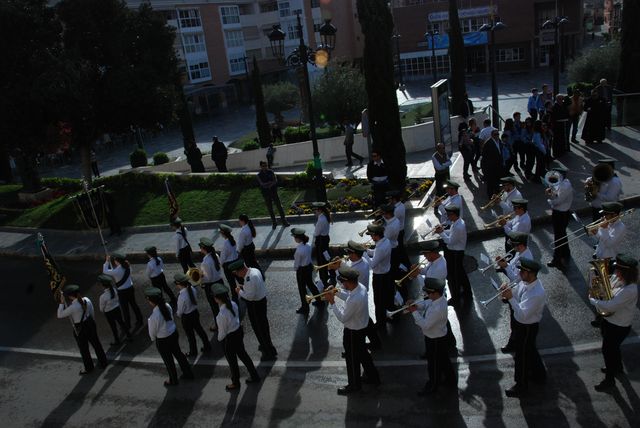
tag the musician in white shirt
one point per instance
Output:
(155, 272)
(188, 311)
(244, 244)
(183, 248)
(211, 271)
(117, 266)
(382, 281)
(110, 307)
(453, 199)
(228, 255)
(521, 221)
(304, 270)
(560, 199)
(511, 192)
(609, 190)
(456, 241)
(321, 241)
(610, 232)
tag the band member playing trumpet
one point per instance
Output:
(211, 269)
(399, 212)
(520, 222)
(188, 311)
(617, 326)
(456, 240)
(304, 269)
(391, 232)
(355, 317)
(380, 262)
(431, 316)
(603, 186)
(609, 232)
(453, 199)
(511, 192)
(321, 241)
(527, 300)
(560, 201)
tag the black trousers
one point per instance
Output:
(269, 198)
(114, 316)
(160, 282)
(85, 333)
(191, 325)
(456, 275)
(257, 311)
(379, 193)
(440, 179)
(127, 298)
(492, 182)
(221, 164)
(519, 150)
(169, 348)
(612, 337)
(231, 280)
(528, 363)
(94, 168)
(356, 355)
(438, 364)
(322, 245)
(383, 293)
(209, 295)
(348, 149)
(248, 254)
(560, 221)
(304, 278)
(184, 257)
(233, 345)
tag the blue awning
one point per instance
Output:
(476, 38)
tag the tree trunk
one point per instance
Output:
(262, 122)
(304, 97)
(6, 175)
(630, 48)
(184, 117)
(457, 57)
(26, 165)
(384, 118)
(85, 159)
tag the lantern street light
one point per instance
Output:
(494, 25)
(555, 24)
(300, 57)
(433, 34)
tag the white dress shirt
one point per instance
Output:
(302, 256)
(117, 273)
(361, 266)
(159, 328)
(528, 302)
(228, 252)
(380, 257)
(322, 226)
(226, 321)
(254, 288)
(244, 238)
(154, 269)
(391, 231)
(455, 200)
(74, 310)
(610, 191)
(184, 301)
(432, 318)
(623, 304)
(519, 223)
(456, 236)
(208, 268)
(435, 269)
(609, 240)
(506, 205)
(512, 270)
(180, 240)
(399, 212)
(107, 304)
(485, 133)
(355, 313)
(563, 197)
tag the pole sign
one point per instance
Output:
(441, 116)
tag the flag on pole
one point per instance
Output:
(174, 209)
(56, 278)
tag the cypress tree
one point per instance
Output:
(262, 122)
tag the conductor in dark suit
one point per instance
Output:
(492, 163)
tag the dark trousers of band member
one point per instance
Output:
(160, 282)
(169, 348)
(191, 325)
(560, 221)
(127, 299)
(114, 318)
(271, 196)
(439, 367)
(612, 337)
(233, 346)
(209, 295)
(184, 257)
(356, 354)
(528, 364)
(304, 278)
(399, 257)
(511, 343)
(456, 275)
(231, 280)
(85, 333)
(440, 177)
(248, 254)
(257, 311)
(322, 246)
(383, 293)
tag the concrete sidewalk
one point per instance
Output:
(279, 244)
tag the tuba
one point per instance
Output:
(600, 282)
(601, 173)
(195, 275)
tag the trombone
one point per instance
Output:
(511, 285)
(586, 230)
(376, 213)
(498, 220)
(333, 261)
(390, 314)
(334, 290)
(411, 272)
(376, 222)
(495, 265)
(494, 200)
(435, 202)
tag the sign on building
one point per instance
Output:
(441, 116)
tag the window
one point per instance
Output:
(193, 42)
(421, 66)
(268, 6)
(510, 55)
(236, 64)
(469, 25)
(284, 8)
(440, 27)
(234, 38)
(315, 3)
(199, 71)
(189, 18)
(254, 53)
(291, 28)
(230, 14)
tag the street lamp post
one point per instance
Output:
(433, 34)
(555, 24)
(490, 28)
(396, 38)
(300, 57)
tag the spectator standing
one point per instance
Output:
(532, 104)
(219, 154)
(94, 163)
(269, 188)
(594, 124)
(348, 144)
(575, 111)
(605, 92)
(194, 157)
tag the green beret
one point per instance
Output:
(236, 265)
(70, 289)
(516, 238)
(529, 265)
(150, 250)
(319, 204)
(176, 221)
(519, 203)
(105, 279)
(510, 180)
(375, 229)
(181, 278)
(609, 161)
(434, 284)
(118, 256)
(225, 228)
(355, 247)
(611, 207)
(451, 183)
(625, 261)
(387, 208)
(431, 245)
(205, 242)
(452, 209)
(219, 288)
(152, 292)
(296, 231)
(347, 273)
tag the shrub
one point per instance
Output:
(138, 158)
(595, 64)
(250, 145)
(585, 88)
(310, 170)
(328, 132)
(160, 158)
(296, 134)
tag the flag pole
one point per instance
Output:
(85, 186)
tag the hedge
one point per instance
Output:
(138, 158)
(250, 145)
(297, 134)
(160, 158)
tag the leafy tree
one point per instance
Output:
(262, 122)
(594, 64)
(384, 118)
(279, 97)
(339, 94)
(457, 57)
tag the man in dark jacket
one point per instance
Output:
(492, 163)
(378, 177)
(219, 154)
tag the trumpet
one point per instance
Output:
(589, 228)
(494, 200)
(376, 222)
(433, 230)
(435, 202)
(390, 314)
(498, 220)
(506, 258)
(310, 298)
(333, 261)
(511, 285)
(374, 214)
(411, 272)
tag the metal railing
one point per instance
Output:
(625, 109)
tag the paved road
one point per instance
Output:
(40, 386)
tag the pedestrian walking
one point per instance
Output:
(244, 245)
(321, 241)
(441, 163)
(188, 311)
(155, 273)
(194, 157)
(228, 255)
(110, 307)
(183, 248)
(348, 143)
(304, 270)
(117, 266)
(211, 270)
(378, 177)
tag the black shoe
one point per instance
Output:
(268, 357)
(515, 391)
(186, 376)
(554, 264)
(348, 164)
(84, 372)
(205, 349)
(343, 355)
(423, 356)
(366, 380)
(361, 162)
(507, 349)
(596, 323)
(285, 224)
(427, 390)
(273, 226)
(452, 302)
(346, 390)
(191, 354)
(302, 310)
(252, 379)
(605, 385)
(169, 383)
